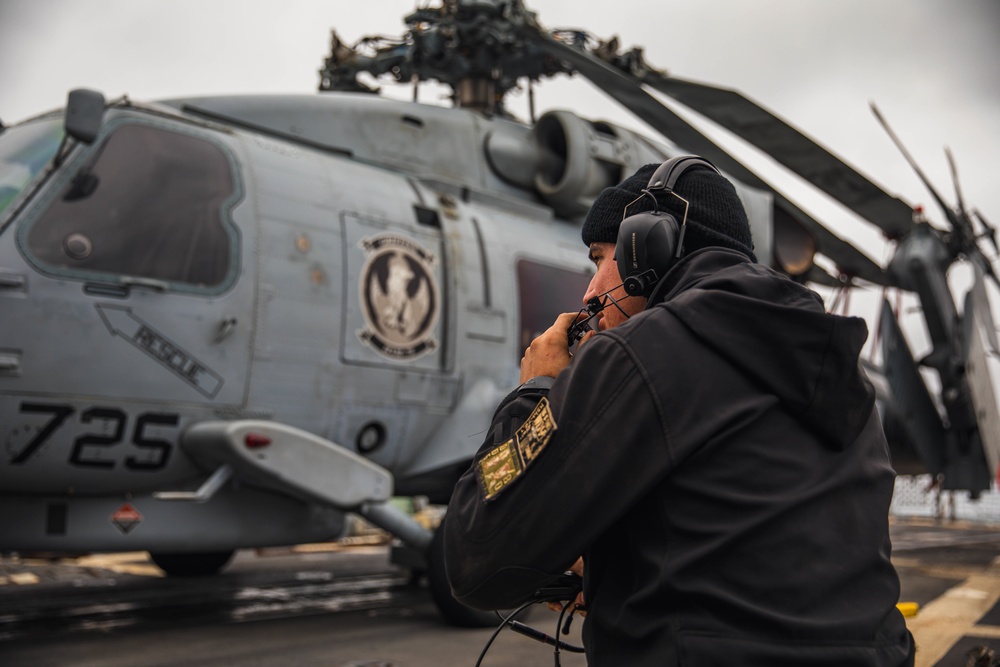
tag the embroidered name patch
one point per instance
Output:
(503, 464)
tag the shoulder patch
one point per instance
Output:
(536, 432)
(499, 467)
(503, 464)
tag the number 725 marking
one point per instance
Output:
(86, 447)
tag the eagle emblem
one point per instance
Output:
(399, 297)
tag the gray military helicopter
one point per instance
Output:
(228, 322)
(969, 427)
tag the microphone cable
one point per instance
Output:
(521, 628)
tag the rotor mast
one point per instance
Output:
(476, 47)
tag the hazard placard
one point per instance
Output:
(126, 518)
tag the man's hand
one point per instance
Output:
(579, 602)
(549, 353)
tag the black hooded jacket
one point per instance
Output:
(719, 462)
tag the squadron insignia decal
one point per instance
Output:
(399, 297)
(503, 464)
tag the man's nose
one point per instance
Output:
(591, 290)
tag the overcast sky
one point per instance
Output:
(932, 66)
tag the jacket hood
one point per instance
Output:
(777, 333)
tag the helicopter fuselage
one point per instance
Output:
(367, 271)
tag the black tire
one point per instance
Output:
(192, 565)
(453, 611)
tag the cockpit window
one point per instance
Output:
(24, 152)
(154, 203)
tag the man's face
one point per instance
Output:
(607, 278)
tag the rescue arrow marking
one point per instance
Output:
(121, 322)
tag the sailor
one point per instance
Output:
(713, 453)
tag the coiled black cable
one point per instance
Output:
(503, 624)
(543, 595)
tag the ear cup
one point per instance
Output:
(647, 243)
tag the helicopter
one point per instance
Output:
(230, 321)
(955, 436)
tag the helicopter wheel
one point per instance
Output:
(453, 611)
(191, 564)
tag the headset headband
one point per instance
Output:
(666, 175)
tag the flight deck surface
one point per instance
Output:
(344, 605)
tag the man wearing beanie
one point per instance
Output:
(713, 453)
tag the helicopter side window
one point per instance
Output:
(545, 291)
(153, 204)
(24, 151)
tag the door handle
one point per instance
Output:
(226, 327)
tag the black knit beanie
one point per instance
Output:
(716, 216)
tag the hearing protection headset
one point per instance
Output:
(650, 242)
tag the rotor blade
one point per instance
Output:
(991, 231)
(905, 455)
(975, 254)
(820, 276)
(915, 412)
(647, 108)
(791, 148)
(628, 92)
(954, 179)
(977, 303)
(982, 264)
(967, 230)
(977, 373)
(952, 218)
(849, 260)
